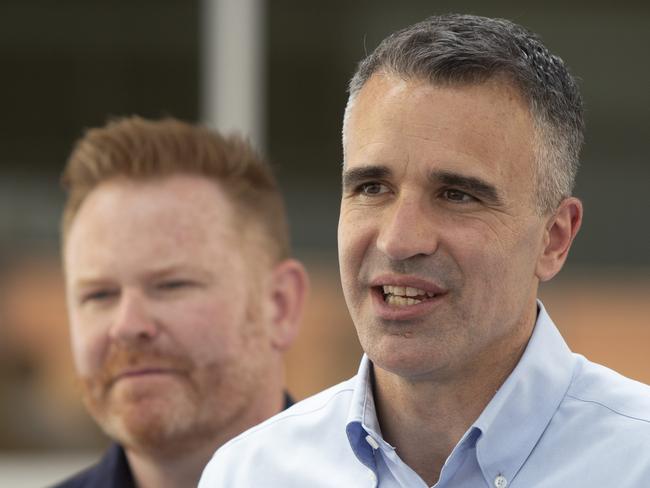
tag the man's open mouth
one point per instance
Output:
(404, 296)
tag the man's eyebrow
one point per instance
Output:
(476, 186)
(353, 177)
(158, 273)
(91, 282)
(175, 269)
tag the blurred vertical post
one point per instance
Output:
(233, 67)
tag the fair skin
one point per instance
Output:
(178, 321)
(441, 251)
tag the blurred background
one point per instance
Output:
(278, 69)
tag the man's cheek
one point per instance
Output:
(88, 351)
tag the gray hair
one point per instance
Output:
(467, 49)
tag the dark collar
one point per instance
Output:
(288, 401)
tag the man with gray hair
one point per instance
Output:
(461, 143)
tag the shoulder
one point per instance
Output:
(598, 434)
(314, 424)
(80, 480)
(601, 404)
(597, 388)
(328, 407)
(111, 471)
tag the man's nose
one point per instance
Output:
(132, 321)
(408, 229)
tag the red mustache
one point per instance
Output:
(122, 362)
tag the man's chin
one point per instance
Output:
(144, 418)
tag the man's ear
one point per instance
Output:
(289, 287)
(560, 231)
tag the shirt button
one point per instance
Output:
(500, 482)
(373, 443)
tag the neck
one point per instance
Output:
(425, 420)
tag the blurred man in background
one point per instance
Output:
(461, 143)
(181, 295)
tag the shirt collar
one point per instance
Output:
(362, 417)
(512, 422)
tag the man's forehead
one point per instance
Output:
(382, 88)
(163, 216)
(393, 82)
(410, 105)
(156, 197)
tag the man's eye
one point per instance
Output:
(458, 196)
(371, 189)
(173, 285)
(99, 296)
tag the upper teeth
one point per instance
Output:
(405, 291)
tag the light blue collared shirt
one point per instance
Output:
(558, 420)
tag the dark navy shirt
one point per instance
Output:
(112, 471)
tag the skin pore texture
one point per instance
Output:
(441, 250)
(177, 321)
